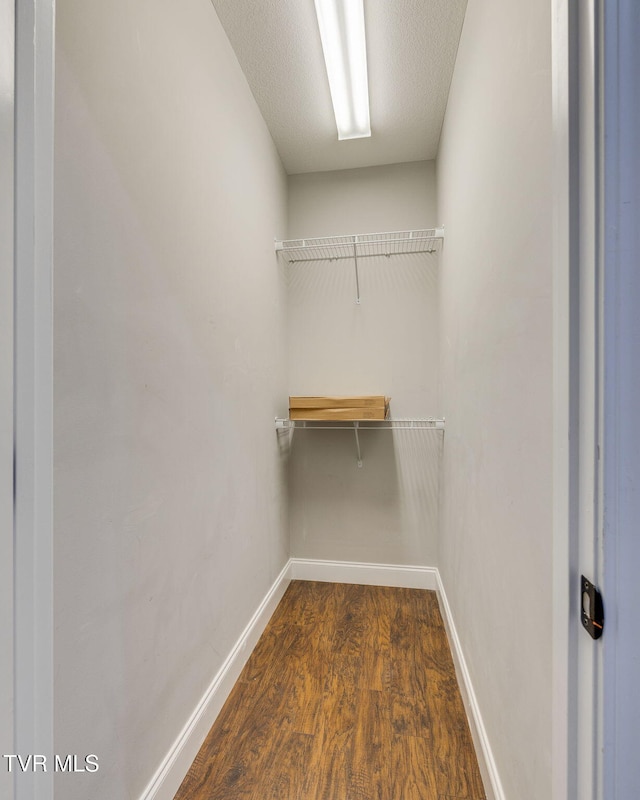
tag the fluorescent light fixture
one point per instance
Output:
(341, 24)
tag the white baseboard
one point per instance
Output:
(310, 569)
(486, 761)
(175, 765)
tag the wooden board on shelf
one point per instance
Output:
(357, 401)
(342, 414)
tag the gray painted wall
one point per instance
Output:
(387, 511)
(170, 492)
(494, 179)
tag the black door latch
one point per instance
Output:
(591, 608)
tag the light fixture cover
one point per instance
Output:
(341, 24)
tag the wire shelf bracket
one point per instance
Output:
(355, 430)
(358, 246)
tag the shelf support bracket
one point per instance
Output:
(356, 425)
(355, 261)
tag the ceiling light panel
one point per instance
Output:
(341, 24)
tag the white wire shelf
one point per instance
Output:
(428, 423)
(362, 424)
(359, 246)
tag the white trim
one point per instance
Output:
(7, 144)
(33, 408)
(486, 762)
(310, 569)
(565, 394)
(176, 763)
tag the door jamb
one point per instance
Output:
(7, 144)
(565, 266)
(33, 391)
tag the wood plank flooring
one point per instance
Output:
(350, 694)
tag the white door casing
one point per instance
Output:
(565, 66)
(7, 110)
(589, 213)
(597, 396)
(33, 381)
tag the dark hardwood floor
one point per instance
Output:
(350, 694)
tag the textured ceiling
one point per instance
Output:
(411, 50)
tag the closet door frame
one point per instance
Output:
(7, 143)
(33, 393)
(576, 711)
(596, 97)
(565, 394)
